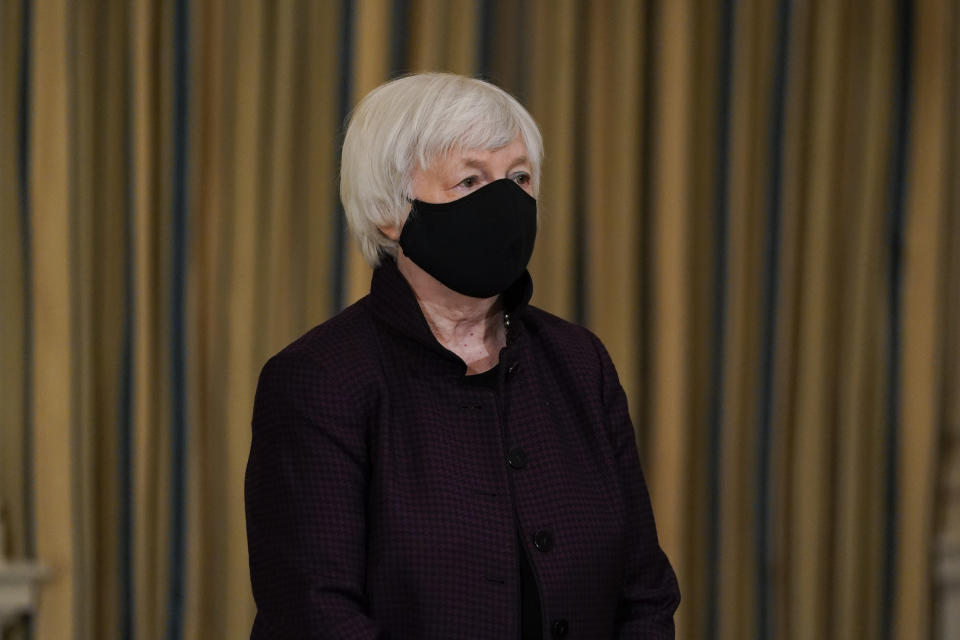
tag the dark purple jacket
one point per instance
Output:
(383, 493)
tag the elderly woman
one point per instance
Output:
(441, 459)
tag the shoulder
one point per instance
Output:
(543, 325)
(341, 340)
(569, 342)
(333, 365)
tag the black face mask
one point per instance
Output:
(477, 245)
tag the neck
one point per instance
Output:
(470, 327)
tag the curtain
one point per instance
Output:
(754, 204)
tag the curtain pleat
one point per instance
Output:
(150, 484)
(429, 26)
(99, 179)
(14, 295)
(813, 436)
(611, 186)
(709, 76)
(15, 298)
(750, 106)
(213, 101)
(923, 334)
(246, 337)
(790, 286)
(670, 323)
(53, 355)
(278, 229)
(320, 121)
(371, 67)
(461, 38)
(84, 294)
(860, 351)
(553, 97)
(753, 204)
(947, 506)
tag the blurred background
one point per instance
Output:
(753, 203)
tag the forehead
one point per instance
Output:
(512, 154)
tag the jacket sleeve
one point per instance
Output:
(304, 494)
(650, 591)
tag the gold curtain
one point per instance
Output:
(754, 204)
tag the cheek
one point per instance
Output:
(427, 185)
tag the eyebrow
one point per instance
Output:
(479, 164)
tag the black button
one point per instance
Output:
(543, 540)
(559, 628)
(517, 458)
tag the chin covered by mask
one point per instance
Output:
(477, 245)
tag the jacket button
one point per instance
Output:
(559, 628)
(517, 458)
(543, 540)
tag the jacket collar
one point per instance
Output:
(395, 305)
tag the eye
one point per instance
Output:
(521, 179)
(470, 182)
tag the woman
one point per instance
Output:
(442, 460)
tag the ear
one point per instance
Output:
(392, 231)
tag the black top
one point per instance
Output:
(530, 615)
(329, 407)
(486, 379)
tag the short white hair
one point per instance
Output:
(405, 125)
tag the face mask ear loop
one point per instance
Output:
(411, 204)
(410, 201)
(396, 243)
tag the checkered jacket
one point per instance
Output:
(383, 493)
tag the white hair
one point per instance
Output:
(405, 125)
